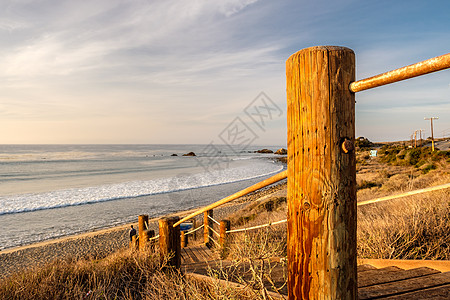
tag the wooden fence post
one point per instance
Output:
(208, 225)
(169, 241)
(321, 174)
(225, 225)
(184, 239)
(134, 243)
(143, 237)
(194, 226)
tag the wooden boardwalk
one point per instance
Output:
(373, 283)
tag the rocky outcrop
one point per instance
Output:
(281, 151)
(189, 154)
(174, 154)
(264, 151)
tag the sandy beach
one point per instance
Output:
(100, 243)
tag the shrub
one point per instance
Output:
(366, 185)
(428, 168)
(363, 143)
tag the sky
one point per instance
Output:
(186, 72)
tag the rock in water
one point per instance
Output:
(264, 151)
(281, 151)
(189, 154)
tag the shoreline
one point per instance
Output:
(100, 243)
(64, 219)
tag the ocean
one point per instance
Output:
(50, 191)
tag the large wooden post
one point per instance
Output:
(143, 237)
(208, 225)
(321, 174)
(169, 241)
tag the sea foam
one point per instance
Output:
(79, 196)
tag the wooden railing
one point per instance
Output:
(321, 197)
(255, 187)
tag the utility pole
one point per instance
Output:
(420, 132)
(432, 137)
(415, 138)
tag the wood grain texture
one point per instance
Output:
(391, 274)
(405, 286)
(169, 241)
(208, 224)
(225, 225)
(437, 293)
(321, 177)
(184, 239)
(143, 237)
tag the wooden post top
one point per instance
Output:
(168, 219)
(323, 48)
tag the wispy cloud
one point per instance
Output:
(193, 64)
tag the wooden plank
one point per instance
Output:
(203, 267)
(404, 286)
(390, 268)
(192, 255)
(437, 293)
(184, 256)
(200, 253)
(188, 256)
(195, 253)
(365, 267)
(204, 253)
(440, 265)
(391, 274)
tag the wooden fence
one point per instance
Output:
(321, 221)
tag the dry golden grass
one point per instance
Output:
(408, 228)
(123, 275)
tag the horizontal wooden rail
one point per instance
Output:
(421, 68)
(194, 230)
(257, 227)
(212, 219)
(154, 238)
(215, 242)
(215, 232)
(421, 191)
(430, 189)
(255, 187)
